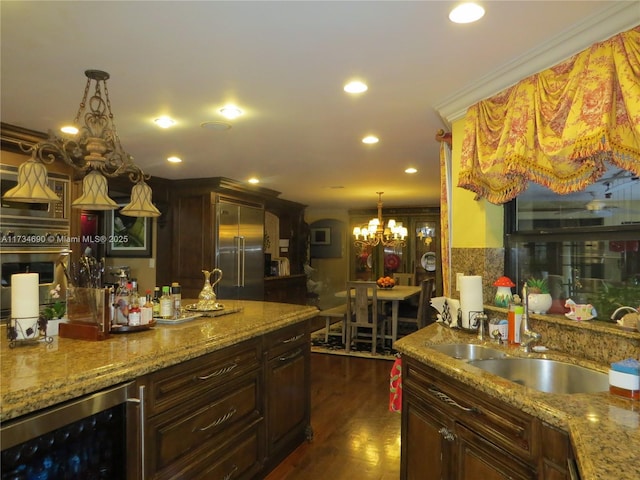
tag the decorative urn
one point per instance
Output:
(504, 296)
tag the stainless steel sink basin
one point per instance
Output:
(469, 351)
(546, 375)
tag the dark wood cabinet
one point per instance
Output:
(479, 458)
(193, 248)
(453, 431)
(204, 411)
(287, 384)
(288, 289)
(426, 448)
(234, 413)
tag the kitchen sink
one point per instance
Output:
(546, 375)
(469, 351)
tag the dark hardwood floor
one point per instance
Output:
(355, 434)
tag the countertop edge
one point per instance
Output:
(59, 389)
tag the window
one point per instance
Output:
(586, 244)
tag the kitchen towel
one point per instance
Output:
(470, 300)
(395, 386)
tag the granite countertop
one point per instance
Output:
(40, 375)
(604, 428)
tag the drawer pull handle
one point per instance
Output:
(218, 421)
(450, 401)
(448, 435)
(230, 474)
(217, 373)
(293, 339)
(295, 354)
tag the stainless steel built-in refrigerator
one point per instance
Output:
(239, 231)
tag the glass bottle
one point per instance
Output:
(176, 295)
(166, 303)
(134, 305)
(156, 301)
(146, 311)
(121, 301)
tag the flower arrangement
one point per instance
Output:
(59, 307)
(538, 285)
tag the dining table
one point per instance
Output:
(395, 295)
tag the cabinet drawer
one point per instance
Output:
(176, 385)
(178, 434)
(499, 423)
(240, 459)
(286, 339)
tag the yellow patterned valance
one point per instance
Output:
(559, 127)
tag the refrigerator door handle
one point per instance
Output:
(238, 254)
(240, 249)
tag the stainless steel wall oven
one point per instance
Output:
(34, 237)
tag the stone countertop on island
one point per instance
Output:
(604, 429)
(37, 376)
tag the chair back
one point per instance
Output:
(424, 304)
(404, 278)
(360, 309)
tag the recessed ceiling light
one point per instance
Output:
(174, 159)
(355, 86)
(370, 139)
(164, 122)
(466, 13)
(216, 125)
(230, 112)
(70, 129)
(253, 180)
(411, 170)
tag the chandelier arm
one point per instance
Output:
(55, 148)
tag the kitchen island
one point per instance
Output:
(258, 349)
(600, 430)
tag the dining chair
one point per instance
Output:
(420, 316)
(404, 278)
(362, 313)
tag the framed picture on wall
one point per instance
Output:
(127, 236)
(320, 236)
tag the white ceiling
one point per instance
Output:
(285, 64)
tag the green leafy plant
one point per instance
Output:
(538, 285)
(611, 297)
(58, 308)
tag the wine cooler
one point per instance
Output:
(83, 439)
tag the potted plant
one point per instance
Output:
(539, 297)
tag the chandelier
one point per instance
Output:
(94, 151)
(375, 232)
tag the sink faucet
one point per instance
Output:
(526, 334)
(623, 309)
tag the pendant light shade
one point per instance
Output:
(140, 205)
(94, 151)
(95, 194)
(32, 185)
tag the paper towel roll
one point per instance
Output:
(25, 302)
(470, 299)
